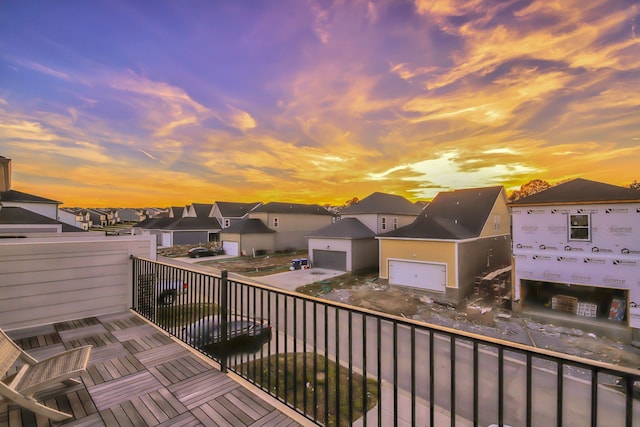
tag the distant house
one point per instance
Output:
(22, 213)
(183, 226)
(98, 218)
(248, 237)
(576, 255)
(460, 235)
(75, 217)
(349, 244)
(291, 222)
(130, 215)
(16, 220)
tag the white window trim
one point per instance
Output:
(395, 222)
(383, 224)
(587, 227)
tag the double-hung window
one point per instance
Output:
(276, 222)
(579, 227)
(383, 224)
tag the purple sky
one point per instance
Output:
(138, 103)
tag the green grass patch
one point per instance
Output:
(346, 281)
(181, 315)
(329, 377)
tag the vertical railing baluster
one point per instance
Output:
(431, 382)
(379, 361)
(594, 397)
(413, 375)
(475, 384)
(452, 344)
(350, 349)
(559, 391)
(224, 321)
(337, 328)
(365, 389)
(394, 325)
(500, 386)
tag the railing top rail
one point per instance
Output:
(464, 335)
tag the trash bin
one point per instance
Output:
(296, 264)
(304, 263)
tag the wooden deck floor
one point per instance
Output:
(139, 376)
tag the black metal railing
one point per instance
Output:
(337, 365)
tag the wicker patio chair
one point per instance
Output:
(35, 375)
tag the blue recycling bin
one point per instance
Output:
(296, 264)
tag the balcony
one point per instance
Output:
(325, 363)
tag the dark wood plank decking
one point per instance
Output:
(139, 376)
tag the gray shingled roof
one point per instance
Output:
(452, 215)
(248, 226)
(293, 208)
(235, 209)
(382, 203)
(580, 191)
(191, 223)
(19, 196)
(156, 223)
(17, 215)
(347, 228)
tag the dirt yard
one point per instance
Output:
(366, 290)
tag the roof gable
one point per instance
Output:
(580, 190)
(382, 203)
(235, 209)
(292, 208)
(202, 210)
(347, 228)
(453, 215)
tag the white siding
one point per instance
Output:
(47, 280)
(611, 258)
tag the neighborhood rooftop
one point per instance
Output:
(581, 191)
(382, 203)
(459, 214)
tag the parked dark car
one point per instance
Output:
(201, 251)
(243, 335)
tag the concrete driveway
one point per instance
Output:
(291, 280)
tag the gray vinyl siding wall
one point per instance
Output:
(364, 254)
(48, 280)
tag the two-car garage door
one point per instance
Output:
(334, 260)
(432, 277)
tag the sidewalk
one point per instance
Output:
(441, 417)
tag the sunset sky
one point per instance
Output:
(140, 103)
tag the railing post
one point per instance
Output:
(224, 321)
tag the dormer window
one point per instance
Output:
(580, 227)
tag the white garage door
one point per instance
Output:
(230, 248)
(432, 277)
(166, 239)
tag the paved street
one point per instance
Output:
(345, 334)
